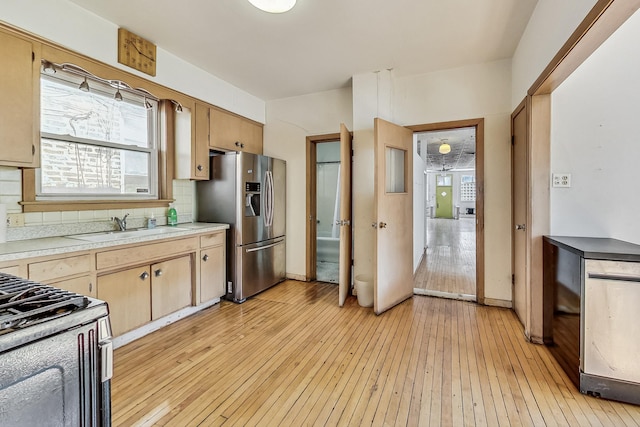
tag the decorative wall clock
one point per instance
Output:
(136, 52)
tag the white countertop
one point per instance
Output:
(21, 249)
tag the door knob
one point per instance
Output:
(200, 168)
(205, 258)
(144, 276)
(383, 224)
(521, 227)
(374, 224)
(158, 273)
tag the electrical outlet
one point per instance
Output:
(561, 180)
(15, 220)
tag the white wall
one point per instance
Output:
(551, 24)
(289, 122)
(470, 92)
(66, 23)
(475, 91)
(595, 138)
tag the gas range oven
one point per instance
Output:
(56, 356)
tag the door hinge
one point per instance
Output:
(352, 152)
(513, 279)
(33, 150)
(513, 139)
(33, 57)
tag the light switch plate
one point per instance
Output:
(562, 180)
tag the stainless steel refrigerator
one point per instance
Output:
(247, 191)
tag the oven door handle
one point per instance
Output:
(106, 357)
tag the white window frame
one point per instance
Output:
(153, 133)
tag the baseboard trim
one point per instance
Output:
(298, 277)
(498, 303)
(160, 323)
(448, 295)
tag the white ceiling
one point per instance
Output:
(321, 44)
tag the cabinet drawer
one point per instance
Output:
(214, 239)
(57, 268)
(144, 253)
(80, 285)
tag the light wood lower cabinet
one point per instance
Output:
(128, 294)
(170, 286)
(212, 273)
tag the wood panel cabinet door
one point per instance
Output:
(170, 286)
(19, 117)
(128, 294)
(224, 129)
(200, 154)
(251, 137)
(212, 273)
(234, 133)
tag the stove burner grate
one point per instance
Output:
(23, 301)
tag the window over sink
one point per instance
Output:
(98, 140)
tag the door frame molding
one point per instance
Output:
(311, 203)
(478, 123)
(604, 18)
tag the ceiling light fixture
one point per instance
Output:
(274, 6)
(444, 148)
(84, 86)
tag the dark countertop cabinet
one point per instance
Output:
(591, 289)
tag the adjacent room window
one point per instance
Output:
(94, 146)
(467, 188)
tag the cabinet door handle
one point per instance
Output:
(199, 167)
(237, 143)
(205, 258)
(90, 286)
(144, 276)
(158, 273)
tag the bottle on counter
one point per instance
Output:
(151, 222)
(172, 216)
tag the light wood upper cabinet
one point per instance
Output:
(19, 113)
(192, 143)
(234, 133)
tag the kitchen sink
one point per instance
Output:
(110, 236)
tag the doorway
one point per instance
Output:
(327, 211)
(323, 198)
(452, 265)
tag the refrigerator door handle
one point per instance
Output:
(264, 247)
(272, 202)
(268, 220)
(265, 219)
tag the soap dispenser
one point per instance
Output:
(172, 216)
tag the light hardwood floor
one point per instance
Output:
(292, 357)
(449, 264)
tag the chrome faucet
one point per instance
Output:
(122, 223)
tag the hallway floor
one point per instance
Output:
(449, 265)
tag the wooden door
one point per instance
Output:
(444, 201)
(345, 215)
(128, 295)
(519, 212)
(393, 193)
(170, 286)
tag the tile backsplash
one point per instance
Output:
(50, 224)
